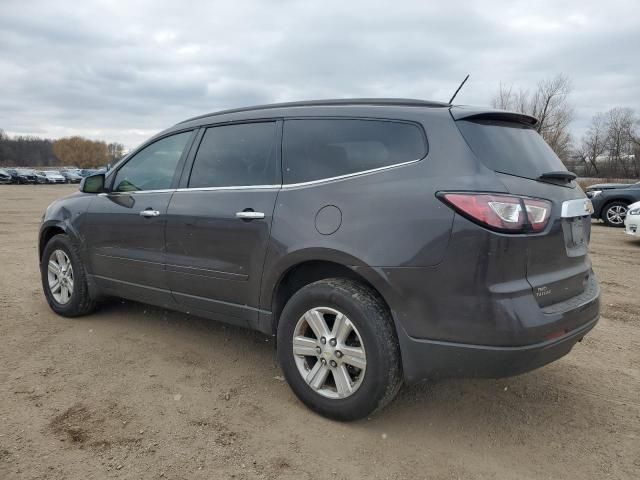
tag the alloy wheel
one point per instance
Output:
(616, 214)
(60, 276)
(329, 352)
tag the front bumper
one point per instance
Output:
(632, 225)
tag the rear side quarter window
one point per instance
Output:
(316, 149)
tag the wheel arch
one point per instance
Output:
(49, 230)
(300, 271)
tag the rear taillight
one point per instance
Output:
(502, 213)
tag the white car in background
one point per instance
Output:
(632, 220)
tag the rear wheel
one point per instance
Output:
(338, 349)
(63, 278)
(614, 214)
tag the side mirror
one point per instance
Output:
(93, 183)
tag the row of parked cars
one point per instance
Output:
(29, 175)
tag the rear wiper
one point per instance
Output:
(559, 175)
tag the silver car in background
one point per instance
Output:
(53, 176)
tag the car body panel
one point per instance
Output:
(214, 259)
(124, 248)
(608, 186)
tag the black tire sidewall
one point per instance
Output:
(75, 305)
(370, 320)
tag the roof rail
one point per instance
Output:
(407, 102)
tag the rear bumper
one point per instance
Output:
(429, 359)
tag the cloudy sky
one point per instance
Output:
(121, 71)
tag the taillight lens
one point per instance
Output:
(503, 213)
(537, 213)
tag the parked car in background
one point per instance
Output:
(5, 177)
(71, 176)
(23, 175)
(85, 172)
(632, 220)
(611, 205)
(54, 176)
(41, 178)
(264, 218)
(14, 174)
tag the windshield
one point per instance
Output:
(510, 148)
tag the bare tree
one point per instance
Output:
(594, 142)
(549, 104)
(611, 145)
(115, 151)
(507, 99)
(620, 136)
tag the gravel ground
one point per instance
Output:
(134, 391)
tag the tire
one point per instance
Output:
(614, 213)
(79, 302)
(371, 331)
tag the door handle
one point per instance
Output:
(149, 213)
(249, 215)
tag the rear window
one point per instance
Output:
(317, 149)
(510, 148)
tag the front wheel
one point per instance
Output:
(63, 278)
(615, 213)
(338, 349)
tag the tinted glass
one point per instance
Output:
(236, 155)
(510, 148)
(153, 167)
(317, 149)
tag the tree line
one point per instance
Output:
(610, 148)
(29, 151)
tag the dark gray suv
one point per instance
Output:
(380, 240)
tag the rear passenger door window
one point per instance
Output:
(316, 149)
(236, 155)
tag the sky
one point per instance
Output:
(122, 71)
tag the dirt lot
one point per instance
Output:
(138, 392)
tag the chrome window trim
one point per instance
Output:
(274, 186)
(137, 192)
(235, 187)
(349, 175)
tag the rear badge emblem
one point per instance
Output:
(542, 291)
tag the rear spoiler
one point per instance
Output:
(473, 113)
